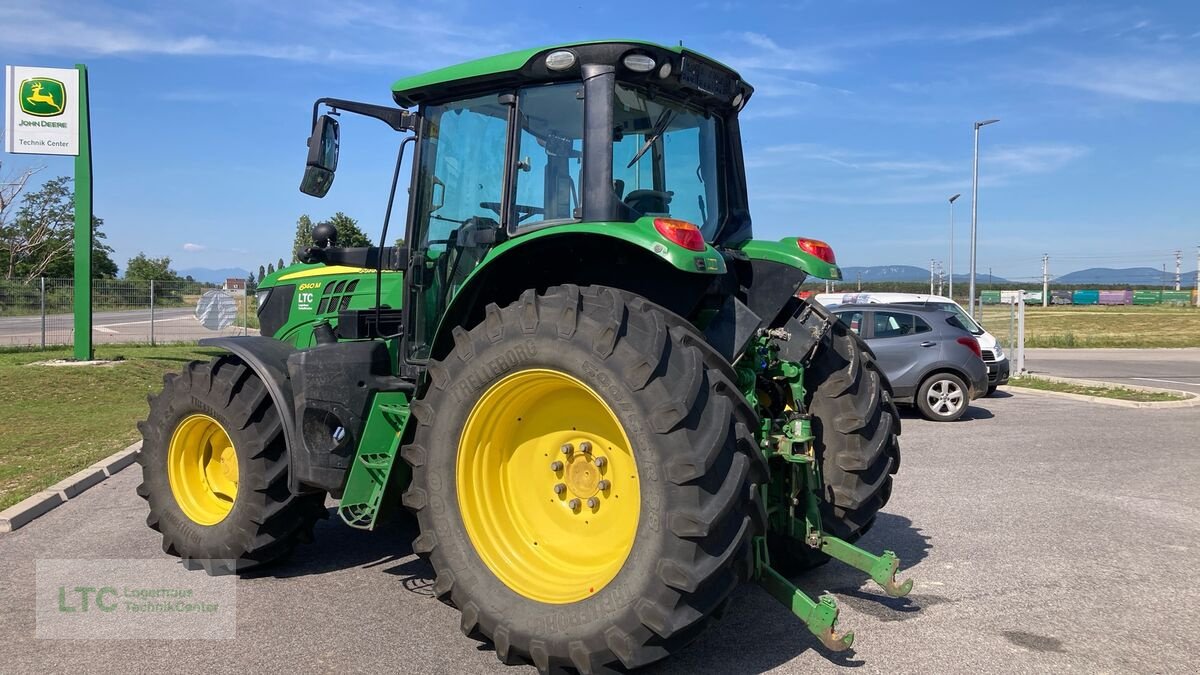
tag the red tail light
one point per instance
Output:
(680, 232)
(972, 344)
(818, 248)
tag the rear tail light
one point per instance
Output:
(972, 344)
(818, 248)
(680, 232)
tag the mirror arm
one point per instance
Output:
(398, 119)
(373, 257)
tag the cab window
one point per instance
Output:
(549, 155)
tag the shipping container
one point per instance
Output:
(1144, 297)
(989, 297)
(1085, 297)
(1116, 297)
(1060, 297)
(1177, 297)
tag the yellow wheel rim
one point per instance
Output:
(548, 486)
(202, 469)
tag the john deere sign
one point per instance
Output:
(41, 113)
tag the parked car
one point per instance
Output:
(993, 354)
(928, 355)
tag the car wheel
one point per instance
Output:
(943, 397)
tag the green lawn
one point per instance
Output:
(1096, 326)
(62, 419)
(1121, 393)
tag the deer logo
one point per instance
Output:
(42, 97)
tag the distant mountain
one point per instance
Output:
(906, 273)
(1130, 276)
(214, 276)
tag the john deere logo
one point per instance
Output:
(43, 97)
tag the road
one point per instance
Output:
(1037, 541)
(175, 324)
(1164, 368)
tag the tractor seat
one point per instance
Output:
(649, 202)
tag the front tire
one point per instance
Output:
(214, 471)
(573, 366)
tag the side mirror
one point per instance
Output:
(322, 157)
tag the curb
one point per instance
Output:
(22, 513)
(1191, 400)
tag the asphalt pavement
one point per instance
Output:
(1043, 534)
(1163, 368)
(175, 324)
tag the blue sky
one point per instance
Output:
(859, 131)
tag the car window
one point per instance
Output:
(894, 324)
(921, 326)
(851, 319)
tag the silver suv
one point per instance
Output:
(929, 357)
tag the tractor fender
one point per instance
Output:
(268, 358)
(620, 256)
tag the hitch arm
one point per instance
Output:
(819, 616)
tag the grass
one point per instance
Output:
(62, 419)
(1127, 326)
(1121, 393)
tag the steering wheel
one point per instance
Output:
(523, 211)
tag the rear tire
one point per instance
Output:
(857, 429)
(943, 397)
(262, 521)
(698, 470)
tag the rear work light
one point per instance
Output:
(818, 248)
(680, 232)
(972, 344)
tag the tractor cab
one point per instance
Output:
(621, 134)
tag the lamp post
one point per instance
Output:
(974, 210)
(952, 198)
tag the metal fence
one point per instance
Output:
(40, 312)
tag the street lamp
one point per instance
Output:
(974, 210)
(955, 196)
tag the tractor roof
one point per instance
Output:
(515, 68)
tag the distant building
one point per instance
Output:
(233, 285)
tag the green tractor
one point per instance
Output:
(602, 398)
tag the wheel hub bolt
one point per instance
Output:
(574, 503)
(556, 466)
(600, 462)
(585, 447)
(560, 488)
(593, 502)
(567, 449)
(603, 485)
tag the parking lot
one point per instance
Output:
(1044, 535)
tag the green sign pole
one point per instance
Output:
(83, 226)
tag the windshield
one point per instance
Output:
(665, 158)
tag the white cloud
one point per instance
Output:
(189, 246)
(1160, 80)
(1037, 158)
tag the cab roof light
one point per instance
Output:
(680, 232)
(560, 60)
(817, 248)
(639, 63)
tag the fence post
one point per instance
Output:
(1021, 338)
(1012, 334)
(245, 310)
(151, 312)
(42, 301)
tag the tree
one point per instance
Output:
(349, 234)
(39, 239)
(270, 268)
(279, 265)
(252, 283)
(303, 238)
(145, 268)
(262, 272)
